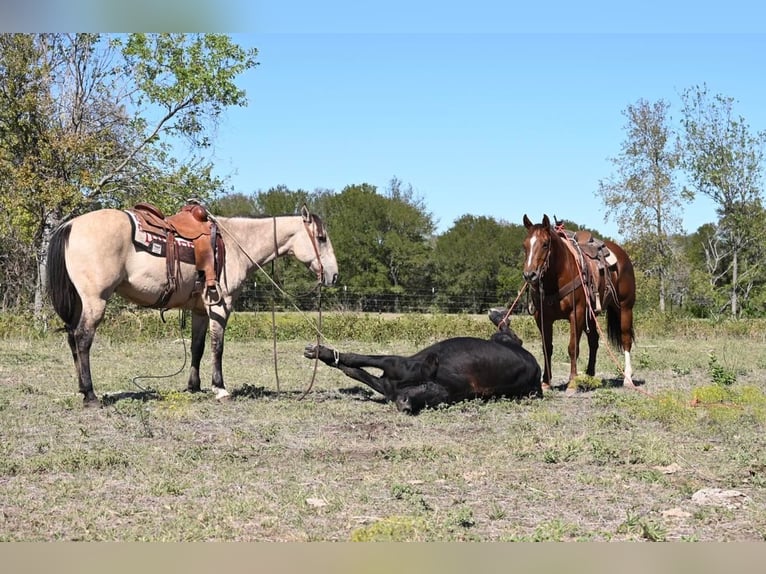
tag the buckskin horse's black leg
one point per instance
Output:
(199, 332)
(219, 315)
(83, 340)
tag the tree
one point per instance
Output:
(724, 161)
(479, 262)
(280, 200)
(381, 243)
(89, 121)
(642, 196)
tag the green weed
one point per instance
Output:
(719, 374)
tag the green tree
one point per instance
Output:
(381, 242)
(642, 196)
(234, 205)
(724, 161)
(280, 200)
(89, 121)
(479, 262)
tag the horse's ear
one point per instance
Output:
(546, 221)
(527, 222)
(305, 214)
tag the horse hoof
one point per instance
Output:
(222, 395)
(546, 386)
(628, 382)
(571, 391)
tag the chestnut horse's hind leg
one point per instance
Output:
(626, 331)
(593, 338)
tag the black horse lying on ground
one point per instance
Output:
(447, 372)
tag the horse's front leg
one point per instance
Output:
(546, 334)
(199, 332)
(219, 315)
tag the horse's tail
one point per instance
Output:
(613, 328)
(63, 295)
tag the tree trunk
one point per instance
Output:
(51, 222)
(662, 292)
(734, 281)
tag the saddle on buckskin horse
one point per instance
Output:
(190, 236)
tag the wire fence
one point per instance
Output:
(262, 298)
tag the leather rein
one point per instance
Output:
(320, 273)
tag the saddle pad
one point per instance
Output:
(156, 244)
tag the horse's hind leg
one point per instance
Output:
(626, 333)
(81, 340)
(593, 338)
(73, 348)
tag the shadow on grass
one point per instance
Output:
(606, 383)
(145, 395)
(255, 392)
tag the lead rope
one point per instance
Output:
(278, 288)
(274, 316)
(275, 278)
(319, 306)
(319, 340)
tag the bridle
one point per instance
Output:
(542, 269)
(315, 239)
(308, 219)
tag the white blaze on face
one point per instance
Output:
(532, 243)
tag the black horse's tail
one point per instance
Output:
(613, 329)
(63, 295)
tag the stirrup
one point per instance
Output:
(211, 295)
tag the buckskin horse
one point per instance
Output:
(103, 252)
(571, 278)
(447, 372)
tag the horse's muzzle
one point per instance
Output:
(329, 280)
(531, 277)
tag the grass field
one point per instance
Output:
(610, 463)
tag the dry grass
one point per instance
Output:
(607, 464)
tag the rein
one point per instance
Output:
(317, 328)
(320, 273)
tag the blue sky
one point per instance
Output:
(496, 124)
(488, 107)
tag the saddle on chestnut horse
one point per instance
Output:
(595, 259)
(189, 236)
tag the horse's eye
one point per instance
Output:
(546, 245)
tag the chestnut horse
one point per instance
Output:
(555, 277)
(93, 256)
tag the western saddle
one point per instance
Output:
(195, 225)
(594, 259)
